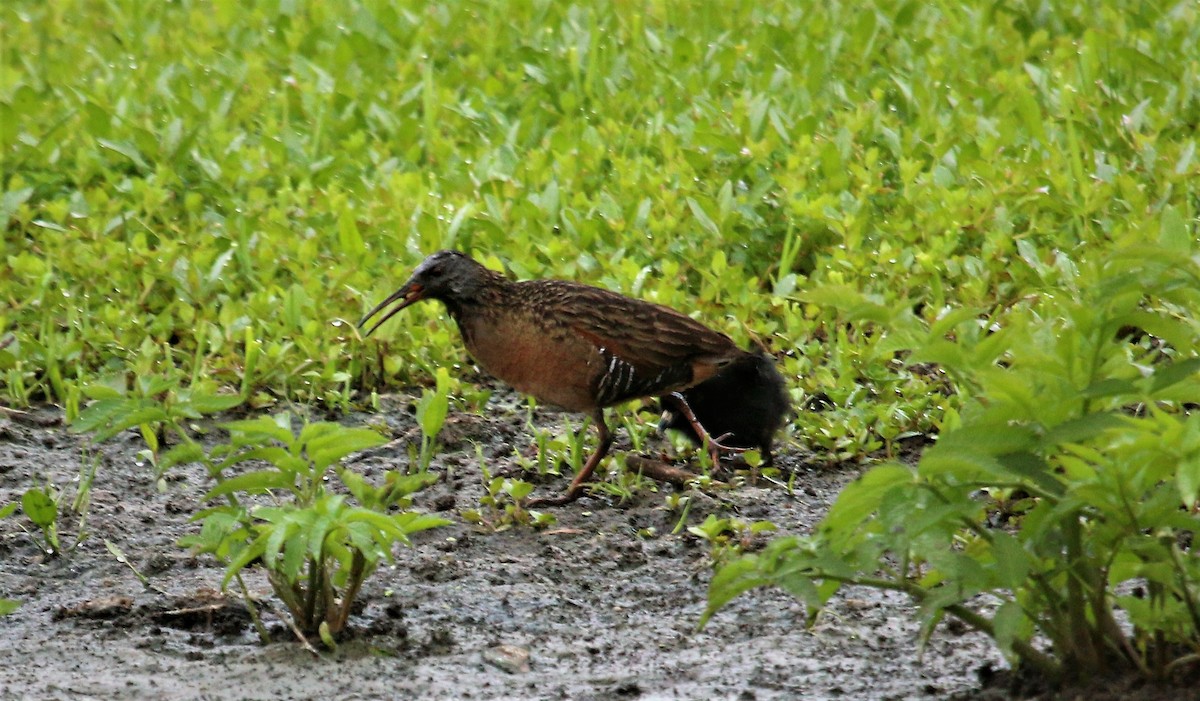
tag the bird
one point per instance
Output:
(580, 347)
(743, 406)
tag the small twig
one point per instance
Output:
(300, 636)
(210, 608)
(662, 472)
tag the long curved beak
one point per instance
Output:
(411, 292)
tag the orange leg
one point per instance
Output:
(576, 489)
(713, 444)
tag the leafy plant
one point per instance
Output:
(40, 505)
(432, 408)
(316, 546)
(47, 505)
(729, 537)
(502, 505)
(1066, 490)
(155, 405)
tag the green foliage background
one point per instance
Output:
(186, 183)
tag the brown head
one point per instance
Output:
(450, 276)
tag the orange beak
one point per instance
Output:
(411, 292)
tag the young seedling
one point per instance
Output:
(729, 537)
(47, 506)
(502, 506)
(432, 408)
(316, 546)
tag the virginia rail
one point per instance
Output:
(576, 346)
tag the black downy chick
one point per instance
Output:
(741, 407)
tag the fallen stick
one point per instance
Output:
(662, 472)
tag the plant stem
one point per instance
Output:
(263, 636)
(1045, 664)
(358, 571)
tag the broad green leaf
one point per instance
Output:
(414, 523)
(862, 497)
(253, 551)
(332, 447)
(1008, 624)
(279, 457)
(1012, 562)
(214, 403)
(730, 581)
(263, 426)
(40, 507)
(1173, 232)
(702, 218)
(1174, 373)
(1187, 479)
(1079, 430)
(180, 455)
(258, 482)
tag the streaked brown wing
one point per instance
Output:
(647, 348)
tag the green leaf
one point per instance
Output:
(862, 498)
(253, 551)
(7, 606)
(262, 427)
(8, 509)
(1174, 373)
(40, 507)
(1173, 232)
(410, 523)
(295, 556)
(1008, 623)
(127, 150)
(1081, 429)
(279, 457)
(259, 482)
(180, 455)
(332, 447)
(1187, 479)
(988, 439)
(214, 403)
(703, 219)
(732, 580)
(97, 390)
(1012, 562)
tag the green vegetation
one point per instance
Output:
(1065, 491)
(220, 186)
(316, 546)
(47, 506)
(975, 218)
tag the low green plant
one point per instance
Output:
(48, 505)
(503, 504)
(7, 606)
(729, 537)
(155, 405)
(432, 408)
(625, 482)
(40, 505)
(1078, 406)
(316, 545)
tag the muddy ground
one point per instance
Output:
(604, 603)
